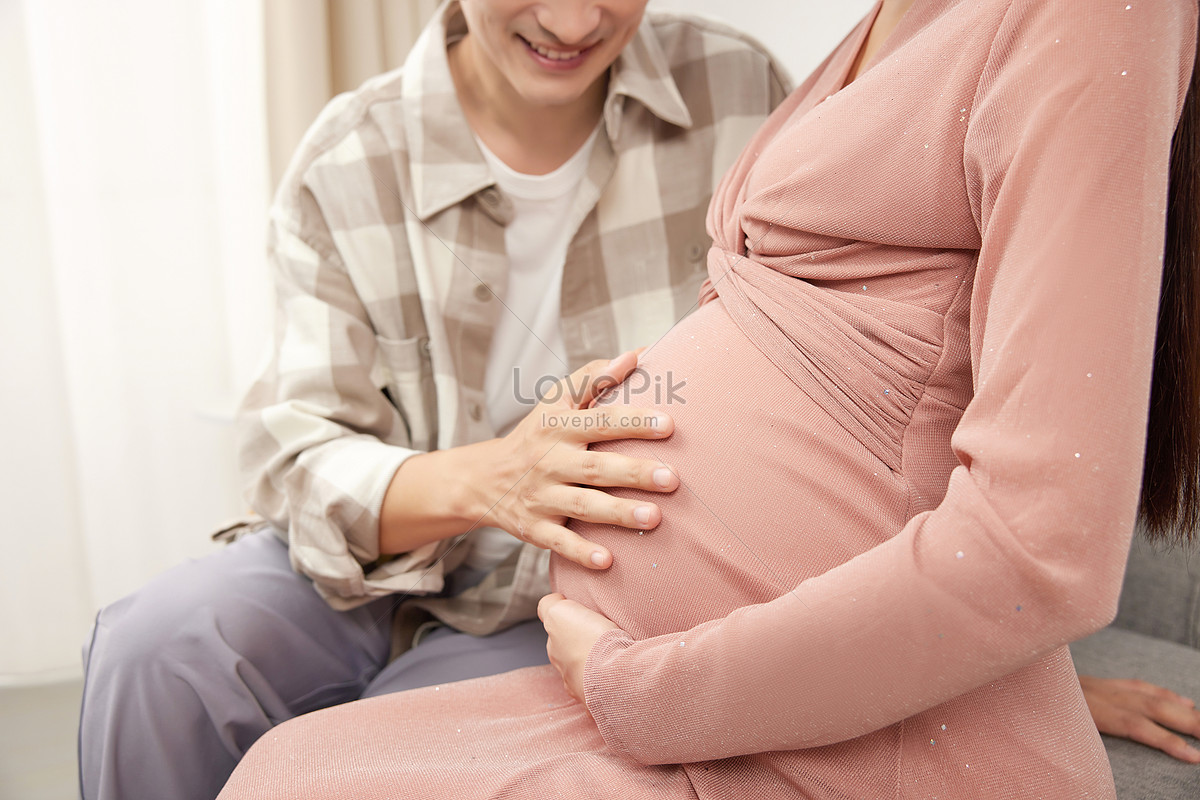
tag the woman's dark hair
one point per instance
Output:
(1170, 503)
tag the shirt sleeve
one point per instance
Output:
(1066, 158)
(319, 439)
(779, 83)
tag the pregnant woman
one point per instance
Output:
(909, 444)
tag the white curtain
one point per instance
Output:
(318, 48)
(134, 301)
(140, 141)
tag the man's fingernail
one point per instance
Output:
(662, 476)
(642, 514)
(598, 558)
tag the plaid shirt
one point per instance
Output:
(387, 247)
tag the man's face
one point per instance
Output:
(551, 51)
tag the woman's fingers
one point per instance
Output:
(1161, 692)
(1140, 728)
(546, 603)
(1143, 712)
(572, 631)
(1158, 703)
(1173, 714)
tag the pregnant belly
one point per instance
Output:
(773, 490)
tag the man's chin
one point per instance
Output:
(551, 97)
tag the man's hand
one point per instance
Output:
(573, 629)
(1143, 712)
(530, 482)
(542, 473)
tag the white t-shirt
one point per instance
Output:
(528, 353)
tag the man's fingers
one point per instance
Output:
(581, 388)
(609, 423)
(593, 505)
(569, 545)
(608, 470)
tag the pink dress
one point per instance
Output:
(910, 442)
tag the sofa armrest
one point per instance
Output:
(1161, 593)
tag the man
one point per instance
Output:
(525, 197)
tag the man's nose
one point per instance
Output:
(570, 22)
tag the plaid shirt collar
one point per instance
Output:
(434, 119)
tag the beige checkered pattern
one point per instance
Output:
(387, 246)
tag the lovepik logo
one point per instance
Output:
(549, 388)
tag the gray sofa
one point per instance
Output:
(1155, 637)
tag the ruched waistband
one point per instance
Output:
(867, 374)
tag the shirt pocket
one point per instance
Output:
(405, 372)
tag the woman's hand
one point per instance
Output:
(573, 629)
(530, 482)
(1143, 712)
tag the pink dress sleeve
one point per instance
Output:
(1066, 161)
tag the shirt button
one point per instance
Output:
(424, 344)
(475, 411)
(695, 252)
(482, 292)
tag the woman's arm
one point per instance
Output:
(1066, 160)
(1130, 709)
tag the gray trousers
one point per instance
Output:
(182, 676)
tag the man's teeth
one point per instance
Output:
(554, 55)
